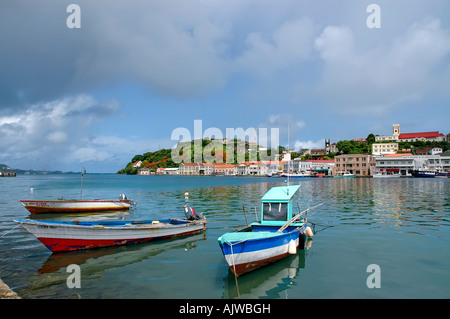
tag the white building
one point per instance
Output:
(410, 137)
(251, 168)
(404, 163)
(274, 167)
(206, 168)
(188, 169)
(137, 164)
(324, 167)
(297, 166)
(436, 151)
(143, 171)
(384, 148)
(393, 137)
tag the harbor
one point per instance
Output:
(402, 225)
(8, 174)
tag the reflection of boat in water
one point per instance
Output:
(269, 282)
(297, 175)
(101, 259)
(97, 262)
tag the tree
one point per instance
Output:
(370, 138)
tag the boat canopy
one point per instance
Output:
(276, 205)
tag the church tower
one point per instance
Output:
(396, 131)
(327, 145)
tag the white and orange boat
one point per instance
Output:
(78, 206)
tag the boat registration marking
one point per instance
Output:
(40, 204)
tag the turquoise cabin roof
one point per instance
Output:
(280, 193)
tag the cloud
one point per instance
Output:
(44, 134)
(369, 81)
(176, 48)
(88, 154)
(309, 144)
(289, 44)
(57, 137)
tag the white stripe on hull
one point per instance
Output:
(77, 205)
(255, 256)
(108, 233)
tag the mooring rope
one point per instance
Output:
(10, 230)
(234, 272)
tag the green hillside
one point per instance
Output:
(163, 157)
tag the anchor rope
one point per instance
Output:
(11, 230)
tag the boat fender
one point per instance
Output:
(292, 247)
(309, 232)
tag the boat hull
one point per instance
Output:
(426, 175)
(64, 206)
(386, 176)
(256, 249)
(68, 236)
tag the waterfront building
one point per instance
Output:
(223, 169)
(189, 169)
(297, 166)
(324, 167)
(143, 171)
(358, 164)
(251, 168)
(397, 163)
(167, 171)
(274, 167)
(405, 163)
(206, 168)
(384, 148)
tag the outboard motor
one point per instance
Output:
(191, 214)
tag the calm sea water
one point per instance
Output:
(401, 225)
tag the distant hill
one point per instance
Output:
(163, 158)
(6, 168)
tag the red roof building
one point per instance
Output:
(425, 135)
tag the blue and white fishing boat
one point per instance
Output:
(278, 234)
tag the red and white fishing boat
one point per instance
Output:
(79, 206)
(60, 236)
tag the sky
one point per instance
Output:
(135, 71)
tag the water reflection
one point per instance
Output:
(271, 281)
(94, 263)
(362, 221)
